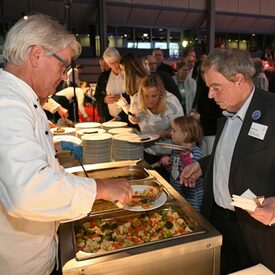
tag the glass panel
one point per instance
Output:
(124, 35)
(159, 35)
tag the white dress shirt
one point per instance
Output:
(224, 153)
(115, 86)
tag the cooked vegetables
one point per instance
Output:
(104, 235)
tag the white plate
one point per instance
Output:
(67, 138)
(149, 138)
(172, 146)
(155, 204)
(114, 124)
(67, 130)
(134, 138)
(90, 131)
(87, 125)
(115, 131)
(97, 137)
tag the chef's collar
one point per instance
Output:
(242, 112)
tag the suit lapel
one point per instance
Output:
(242, 142)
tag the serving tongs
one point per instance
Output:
(84, 170)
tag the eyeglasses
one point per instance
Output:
(65, 63)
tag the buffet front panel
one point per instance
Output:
(171, 238)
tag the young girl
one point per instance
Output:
(186, 131)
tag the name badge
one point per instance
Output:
(257, 130)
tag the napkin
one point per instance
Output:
(258, 269)
(247, 201)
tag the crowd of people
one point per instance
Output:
(217, 108)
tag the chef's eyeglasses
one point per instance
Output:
(65, 63)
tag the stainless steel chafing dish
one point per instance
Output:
(130, 172)
(196, 253)
(122, 217)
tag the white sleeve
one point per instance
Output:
(51, 105)
(174, 107)
(80, 102)
(33, 185)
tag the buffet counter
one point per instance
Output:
(196, 253)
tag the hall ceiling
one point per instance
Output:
(243, 16)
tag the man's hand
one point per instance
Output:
(63, 112)
(190, 174)
(266, 212)
(111, 99)
(114, 190)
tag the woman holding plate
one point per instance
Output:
(154, 109)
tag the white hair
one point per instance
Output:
(37, 29)
(111, 54)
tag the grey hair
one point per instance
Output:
(111, 54)
(229, 62)
(37, 29)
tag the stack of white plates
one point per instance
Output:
(116, 131)
(67, 131)
(65, 157)
(80, 133)
(113, 124)
(87, 125)
(123, 149)
(96, 148)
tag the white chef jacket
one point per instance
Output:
(36, 193)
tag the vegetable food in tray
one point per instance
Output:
(99, 236)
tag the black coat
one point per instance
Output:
(166, 68)
(207, 108)
(252, 167)
(102, 107)
(169, 84)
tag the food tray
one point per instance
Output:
(130, 172)
(124, 217)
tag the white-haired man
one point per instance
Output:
(36, 192)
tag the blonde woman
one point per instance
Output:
(154, 109)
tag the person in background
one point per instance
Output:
(76, 81)
(36, 192)
(51, 107)
(159, 55)
(110, 88)
(242, 159)
(191, 58)
(207, 112)
(187, 86)
(166, 78)
(103, 65)
(154, 109)
(260, 79)
(186, 131)
(66, 99)
(134, 72)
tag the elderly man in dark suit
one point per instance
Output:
(243, 158)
